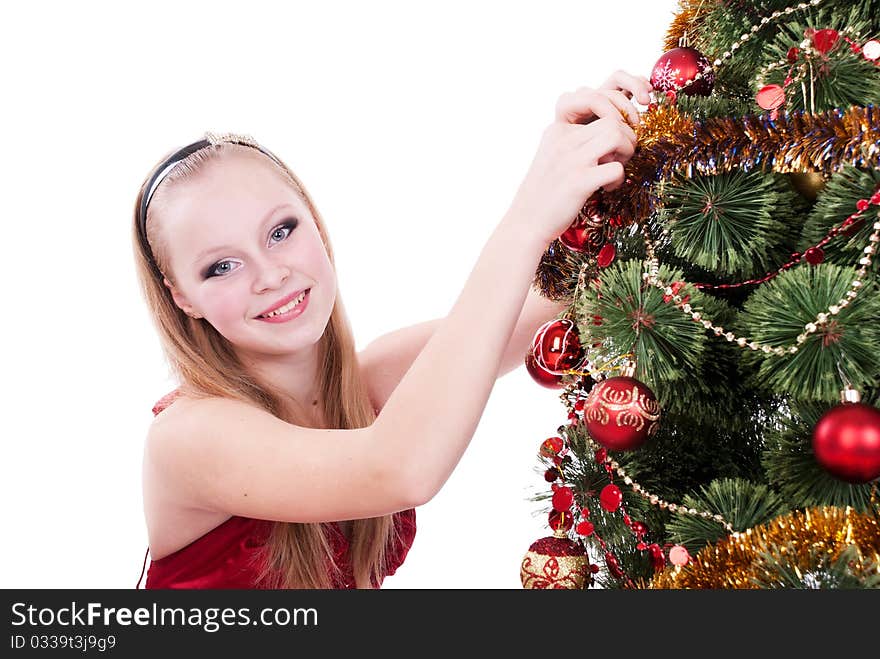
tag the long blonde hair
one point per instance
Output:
(296, 555)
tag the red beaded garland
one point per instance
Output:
(562, 499)
(814, 255)
(613, 566)
(585, 528)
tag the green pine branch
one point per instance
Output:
(843, 349)
(728, 223)
(633, 318)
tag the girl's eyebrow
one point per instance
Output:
(220, 248)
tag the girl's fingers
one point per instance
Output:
(633, 86)
(609, 125)
(607, 145)
(608, 176)
(623, 104)
(584, 105)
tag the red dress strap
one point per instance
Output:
(165, 401)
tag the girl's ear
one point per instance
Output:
(180, 300)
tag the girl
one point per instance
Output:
(285, 459)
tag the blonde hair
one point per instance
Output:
(296, 555)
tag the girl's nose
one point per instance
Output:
(271, 275)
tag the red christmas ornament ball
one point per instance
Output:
(551, 446)
(541, 375)
(557, 346)
(560, 521)
(554, 562)
(621, 413)
(606, 255)
(639, 528)
(846, 442)
(586, 234)
(676, 68)
(610, 498)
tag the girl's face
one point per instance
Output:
(240, 242)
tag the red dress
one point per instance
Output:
(227, 555)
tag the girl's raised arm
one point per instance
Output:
(231, 457)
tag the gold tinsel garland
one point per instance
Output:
(735, 561)
(687, 19)
(671, 142)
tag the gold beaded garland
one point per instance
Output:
(652, 277)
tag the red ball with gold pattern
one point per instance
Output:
(621, 413)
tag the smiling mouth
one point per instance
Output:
(280, 311)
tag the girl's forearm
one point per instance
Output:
(433, 413)
(536, 311)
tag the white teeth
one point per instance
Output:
(287, 307)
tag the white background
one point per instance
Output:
(411, 125)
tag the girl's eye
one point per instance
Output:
(282, 231)
(220, 268)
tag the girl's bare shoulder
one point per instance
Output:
(177, 410)
(184, 427)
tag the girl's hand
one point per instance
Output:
(582, 150)
(619, 88)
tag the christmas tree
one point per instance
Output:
(719, 359)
